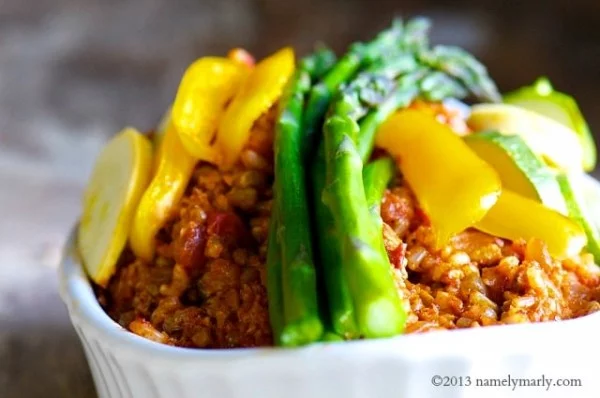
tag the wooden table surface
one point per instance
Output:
(72, 73)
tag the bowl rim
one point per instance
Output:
(86, 313)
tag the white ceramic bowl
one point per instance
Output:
(483, 362)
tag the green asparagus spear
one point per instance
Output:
(371, 99)
(391, 78)
(302, 323)
(331, 337)
(351, 102)
(379, 311)
(368, 90)
(371, 88)
(339, 301)
(377, 175)
(375, 95)
(392, 67)
(296, 280)
(318, 63)
(381, 85)
(461, 65)
(399, 39)
(416, 35)
(274, 288)
(438, 86)
(422, 82)
(404, 92)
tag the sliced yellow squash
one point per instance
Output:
(516, 217)
(555, 143)
(120, 176)
(571, 186)
(519, 168)
(174, 170)
(541, 97)
(159, 134)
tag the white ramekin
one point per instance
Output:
(481, 360)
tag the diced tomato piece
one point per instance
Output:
(397, 255)
(422, 216)
(190, 245)
(242, 56)
(228, 226)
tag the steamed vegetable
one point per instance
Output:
(374, 88)
(259, 91)
(120, 175)
(274, 286)
(293, 271)
(377, 175)
(570, 185)
(377, 91)
(542, 98)
(349, 306)
(174, 170)
(442, 170)
(403, 92)
(519, 168)
(434, 75)
(458, 64)
(384, 56)
(206, 87)
(379, 311)
(401, 38)
(516, 217)
(555, 143)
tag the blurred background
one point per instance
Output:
(74, 72)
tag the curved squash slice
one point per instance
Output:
(173, 172)
(579, 212)
(519, 168)
(120, 175)
(542, 98)
(556, 144)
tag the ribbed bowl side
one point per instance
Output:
(469, 363)
(383, 374)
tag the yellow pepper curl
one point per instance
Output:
(206, 88)
(516, 217)
(454, 187)
(174, 168)
(259, 92)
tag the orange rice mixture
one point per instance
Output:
(207, 285)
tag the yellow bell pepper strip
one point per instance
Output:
(454, 187)
(259, 92)
(120, 176)
(158, 135)
(516, 217)
(205, 89)
(175, 167)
